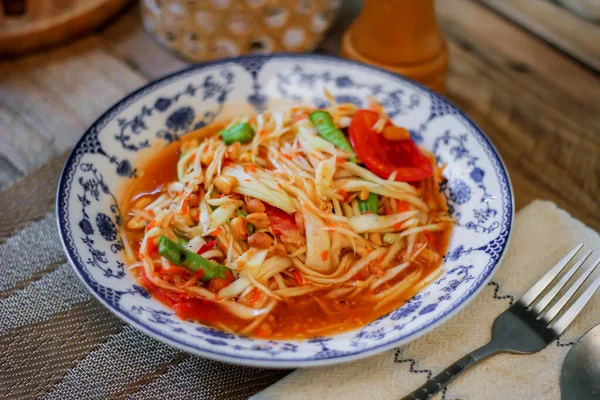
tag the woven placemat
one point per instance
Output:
(57, 341)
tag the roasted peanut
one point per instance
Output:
(375, 237)
(206, 159)
(277, 250)
(194, 200)
(280, 249)
(363, 195)
(260, 240)
(233, 151)
(255, 206)
(195, 213)
(259, 220)
(239, 229)
(245, 157)
(225, 183)
(299, 221)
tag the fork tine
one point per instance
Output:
(563, 322)
(543, 303)
(555, 309)
(548, 277)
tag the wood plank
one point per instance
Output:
(8, 173)
(48, 99)
(574, 35)
(39, 187)
(83, 77)
(520, 58)
(128, 40)
(39, 109)
(546, 154)
(20, 144)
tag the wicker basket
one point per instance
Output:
(30, 24)
(201, 30)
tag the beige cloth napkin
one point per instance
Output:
(543, 234)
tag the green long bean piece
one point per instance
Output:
(323, 121)
(242, 133)
(179, 255)
(371, 204)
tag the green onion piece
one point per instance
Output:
(179, 255)
(242, 133)
(371, 204)
(323, 121)
(240, 213)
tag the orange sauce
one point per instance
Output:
(297, 317)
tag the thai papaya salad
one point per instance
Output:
(288, 224)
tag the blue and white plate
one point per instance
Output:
(108, 155)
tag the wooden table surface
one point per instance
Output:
(528, 81)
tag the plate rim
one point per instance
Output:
(265, 361)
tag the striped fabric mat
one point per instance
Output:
(58, 342)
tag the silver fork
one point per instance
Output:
(524, 328)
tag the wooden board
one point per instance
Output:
(47, 100)
(47, 22)
(569, 32)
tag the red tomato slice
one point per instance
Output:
(384, 156)
(281, 222)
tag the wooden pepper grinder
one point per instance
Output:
(401, 36)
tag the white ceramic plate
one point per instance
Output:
(106, 157)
